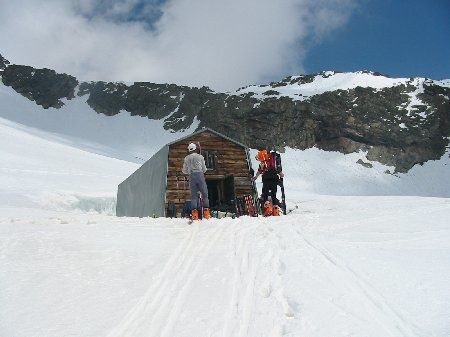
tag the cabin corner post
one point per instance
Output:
(165, 185)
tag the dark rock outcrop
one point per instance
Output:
(3, 63)
(44, 86)
(363, 163)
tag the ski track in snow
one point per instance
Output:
(254, 282)
(184, 281)
(164, 298)
(388, 317)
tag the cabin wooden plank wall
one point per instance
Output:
(231, 159)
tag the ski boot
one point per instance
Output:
(206, 213)
(194, 214)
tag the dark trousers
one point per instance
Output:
(270, 189)
(197, 184)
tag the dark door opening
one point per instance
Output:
(221, 193)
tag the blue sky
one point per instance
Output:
(226, 44)
(396, 37)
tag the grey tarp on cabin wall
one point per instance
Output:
(143, 193)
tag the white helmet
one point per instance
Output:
(192, 147)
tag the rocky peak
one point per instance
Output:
(44, 86)
(3, 62)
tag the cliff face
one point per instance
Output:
(401, 123)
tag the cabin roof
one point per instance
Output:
(210, 130)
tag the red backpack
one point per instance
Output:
(269, 163)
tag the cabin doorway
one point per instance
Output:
(221, 193)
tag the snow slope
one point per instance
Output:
(336, 266)
(315, 171)
(121, 136)
(38, 172)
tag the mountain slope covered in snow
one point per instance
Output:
(399, 122)
(303, 87)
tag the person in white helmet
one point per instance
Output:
(194, 166)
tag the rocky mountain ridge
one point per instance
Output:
(399, 122)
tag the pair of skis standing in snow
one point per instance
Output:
(272, 175)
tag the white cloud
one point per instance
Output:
(222, 44)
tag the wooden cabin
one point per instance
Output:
(159, 181)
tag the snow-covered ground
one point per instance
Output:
(363, 253)
(336, 266)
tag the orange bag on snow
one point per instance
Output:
(276, 210)
(268, 208)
